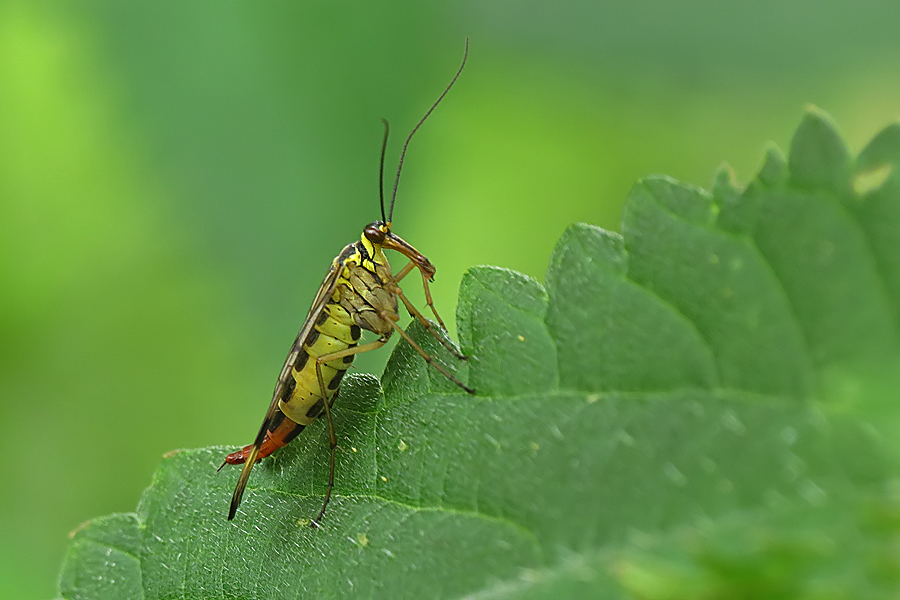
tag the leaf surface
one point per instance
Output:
(708, 375)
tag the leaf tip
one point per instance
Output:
(687, 201)
(774, 170)
(726, 188)
(883, 149)
(606, 248)
(818, 156)
(79, 529)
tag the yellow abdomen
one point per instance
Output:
(334, 331)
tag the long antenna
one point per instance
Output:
(387, 130)
(416, 128)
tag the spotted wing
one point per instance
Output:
(325, 292)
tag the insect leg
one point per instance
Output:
(332, 440)
(428, 300)
(404, 271)
(429, 359)
(355, 350)
(425, 323)
(327, 405)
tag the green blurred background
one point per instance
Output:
(175, 178)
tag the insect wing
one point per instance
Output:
(325, 292)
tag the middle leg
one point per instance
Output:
(332, 438)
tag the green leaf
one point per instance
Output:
(637, 341)
(780, 553)
(719, 282)
(104, 559)
(519, 359)
(876, 209)
(683, 411)
(819, 159)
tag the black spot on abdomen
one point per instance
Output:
(316, 409)
(302, 357)
(336, 380)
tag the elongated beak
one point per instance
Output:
(395, 242)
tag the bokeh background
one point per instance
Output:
(175, 178)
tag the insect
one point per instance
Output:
(359, 292)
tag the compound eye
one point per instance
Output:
(374, 233)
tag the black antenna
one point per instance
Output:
(416, 128)
(387, 130)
